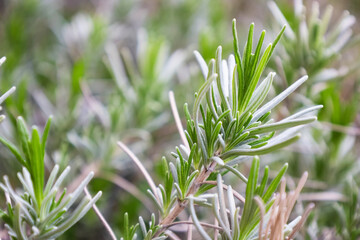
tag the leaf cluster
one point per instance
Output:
(229, 124)
(42, 206)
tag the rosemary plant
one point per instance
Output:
(229, 124)
(103, 82)
(313, 45)
(41, 210)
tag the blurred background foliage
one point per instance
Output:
(103, 68)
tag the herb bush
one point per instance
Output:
(112, 120)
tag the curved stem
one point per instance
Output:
(101, 217)
(177, 119)
(127, 186)
(141, 167)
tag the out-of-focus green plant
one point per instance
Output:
(317, 45)
(312, 44)
(143, 80)
(348, 221)
(133, 107)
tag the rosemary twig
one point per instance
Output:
(140, 166)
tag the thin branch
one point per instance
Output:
(101, 217)
(298, 189)
(140, 166)
(189, 231)
(127, 186)
(177, 119)
(216, 232)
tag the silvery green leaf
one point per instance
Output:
(302, 113)
(238, 160)
(281, 125)
(196, 220)
(61, 178)
(279, 98)
(203, 66)
(79, 212)
(260, 93)
(51, 179)
(216, 210)
(155, 200)
(8, 93)
(231, 205)
(26, 182)
(289, 227)
(18, 223)
(75, 195)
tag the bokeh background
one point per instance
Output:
(103, 69)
